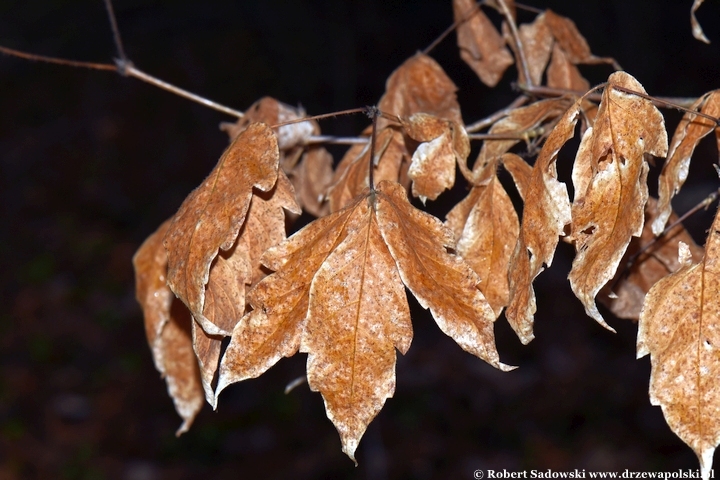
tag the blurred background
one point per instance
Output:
(91, 163)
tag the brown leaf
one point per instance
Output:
(487, 228)
(680, 329)
(337, 293)
(233, 269)
(481, 46)
(561, 73)
(419, 85)
(271, 112)
(351, 174)
(210, 218)
(518, 122)
(520, 171)
(537, 44)
(691, 129)
(312, 178)
(545, 215)
(444, 142)
(658, 261)
(697, 30)
(609, 176)
(167, 326)
(571, 41)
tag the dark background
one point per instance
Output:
(91, 163)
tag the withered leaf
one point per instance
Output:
(680, 328)
(691, 129)
(210, 218)
(487, 227)
(697, 30)
(545, 215)
(537, 43)
(659, 260)
(271, 112)
(233, 269)
(312, 178)
(518, 122)
(481, 45)
(444, 143)
(338, 294)
(571, 41)
(419, 85)
(167, 326)
(609, 176)
(351, 175)
(561, 73)
(520, 171)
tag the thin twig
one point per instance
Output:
(330, 139)
(465, 17)
(518, 43)
(373, 113)
(129, 70)
(320, 117)
(123, 59)
(489, 120)
(57, 61)
(140, 75)
(667, 104)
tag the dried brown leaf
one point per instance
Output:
(486, 226)
(210, 218)
(571, 41)
(351, 174)
(691, 129)
(444, 142)
(271, 112)
(233, 269)
(520, 171)
(680, 328)
(697, 30)
(420, 85)
(167, 326)
(659, 260)
(609, 176)
(545, 215)
(537, 41)
(312, 178)
(337, 293)
(561, 73)
(481, 45)
(519, 121)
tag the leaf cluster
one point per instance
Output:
(223, 266)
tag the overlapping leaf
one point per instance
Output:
(443, 143)
(546, 213)
(691, 129)
(486, 227)
(167, 326)
(210, 218)
(337, 294)
(680, 329)
(519, 122)
(232, 270)
(609, 176)
(481, 46)
(625, 293)
(420, 85)
(391, 163)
